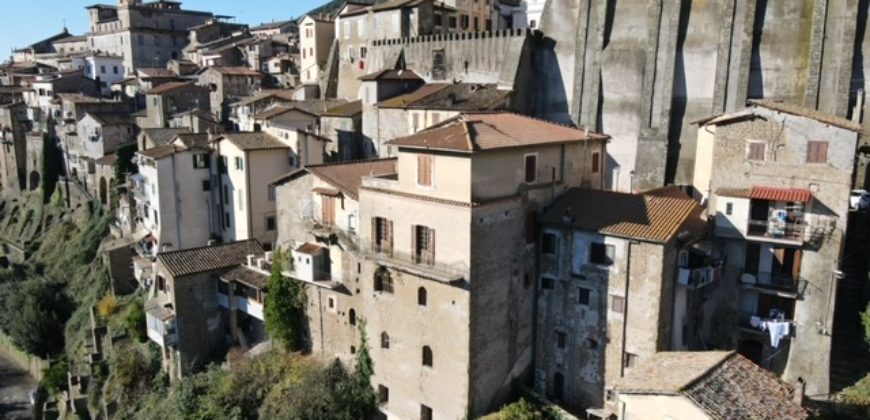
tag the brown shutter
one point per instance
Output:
(596, 157)
(414, 250)
(389, 236)
(811, 152)
(822, 151)
(375, 243)
(796, 265)
(431, 246)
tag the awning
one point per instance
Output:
(326, 191)
(781, 194)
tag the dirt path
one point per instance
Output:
(15, 387)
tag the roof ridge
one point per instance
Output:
(206, 246)
(349, 162)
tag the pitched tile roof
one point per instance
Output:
(346, 176)
(254, 141)
(247, 276)
(161, 136)
(111, 118)
(208, 258)
(461, 97)
(169, 87)
(313, 107)
(781, 194)
(725, 385)
(235, 71)
(785, 107)
(646, 217)
(472, 132)
(309, 248)
(156, 72)
(345, 110)
(160, 152)
(391, 75)
(412, 97)
(109, 159)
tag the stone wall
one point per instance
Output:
(642, 71)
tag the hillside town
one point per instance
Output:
(616, 211)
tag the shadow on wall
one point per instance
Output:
(550, 100)
(756, 73)
(678, 97)
(858, 81)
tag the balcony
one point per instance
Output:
(241, 303)
(778, 229)
(698, 277)
(453, 273)
(160, 322)
(761, 326)
(770, 283)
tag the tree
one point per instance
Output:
(34, 316)
(355, 398)
(859, 393)
(285, 307)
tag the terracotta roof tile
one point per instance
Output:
(161, 136)
(345, 110)
(199, 260)
(235, 71)
(247, 276)
(473, 132)
(391, 75)
(409, 98)
(795, 109)
(254, 141)
(347, 177)
(645, 217)
(781, 194)
(169, 87)
(309, 248)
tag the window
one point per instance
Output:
(561, 339)
(330, 302)
(583, 296)
(240, 163)
(270, 223)
(617, 304)
(327, 210)
(206, 185)
(227, 220)
(271, 192)
(817, 152)
(363, 51)
(729, 208)
(351, 317)
(558, 386)
(242, 200)
(115, 69)
(156, 219)
(596, 162)
(476, 24)
(464, 21)
(201, 161)
(425, 413)
(415, 121)
(548, 244)
(226, 195)
(531, 168)
(383, 280)
(383, 394)
(601, 254)
(423, 244)
(531, 227)
(422, 296)
(547, 283)
(382, 235)
(385, 340)
(756, 150)
(533, 24)
(438, 20)
(352, 349)
(427, 356)
(424, 170)
(452, 22)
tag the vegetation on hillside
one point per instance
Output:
(859, 393)
(285, 307)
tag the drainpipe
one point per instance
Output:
(248, 195)
(625, 308)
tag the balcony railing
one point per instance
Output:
(699, 276)
(414, 264)
(770, 281)
(776, 229)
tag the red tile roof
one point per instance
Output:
(781, 194)
(168, 87)
(346, 177)
(646, 217)
(235, 71)
(473, 132)
(391, 75)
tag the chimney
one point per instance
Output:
(261, 264)
(269, 256)
(251, 260)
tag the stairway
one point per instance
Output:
(850, 356)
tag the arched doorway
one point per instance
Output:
(104, 192)
(34, 180)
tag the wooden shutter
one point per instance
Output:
(424, 170)
(822, 151)
(389, 237)
(328, 209)
(431, 246)
(531, 168)
(796, 265)
(375, 245)
(596, 162)
(415, 252)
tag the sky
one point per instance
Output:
(25, 22)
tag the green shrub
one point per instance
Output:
(134, 321)
(54, 378)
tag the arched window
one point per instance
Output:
(421, 296)
(427, 356)
(351, 317)
(385, 340)
(383, 280)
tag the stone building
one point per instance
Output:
(705, 385)
(13, 166)
(776, 178)
(476, 183)
(183, 313)
(342, 125)
(608, 281)
(227, 83)
(171, 98)
(270, 29)
(145, 34)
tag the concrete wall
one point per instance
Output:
(641, 71)
(675, 407)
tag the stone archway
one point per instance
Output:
(104, 192)
(34, 180)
